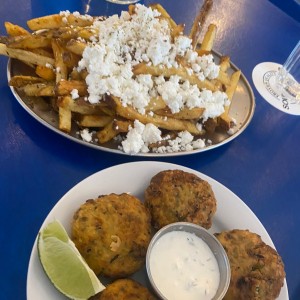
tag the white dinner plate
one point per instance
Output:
(232, 213)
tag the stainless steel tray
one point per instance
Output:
(242, 110)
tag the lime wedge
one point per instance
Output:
(64, 265)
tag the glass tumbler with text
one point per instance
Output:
(288, 77)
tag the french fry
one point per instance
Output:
(107, 133)
(65, 119)
(26, 56)
(87, 33)
(224, 65)
(67, 33)
(61, 33)
(39, 89)
(159, 121)
(233, 84)
(76, 47)
(112, 129)
(108, 111)
(65, 87)
(64, 59)
(164, 14)
(29, 42)
(94, 120)
(199, 22)
(45, 73)
(131, 9)
(184, 114)
(61, 67)
(80, 106)
(209, 38)
(64, 111)
(225, 121)
(122, 125)
(57, 21)
(15, 30)
(143, 68)
(70, 59)
(19, 81)
(76, 75)
(176, 29)
(43, 52)
(156, 104)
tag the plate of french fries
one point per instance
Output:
(133, 84)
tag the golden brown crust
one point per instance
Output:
(178, 196)
(125, 289)
(257, 270)
(112, 233)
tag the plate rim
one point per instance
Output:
(117, 151)
(150, 164)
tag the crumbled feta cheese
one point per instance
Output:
(199, 126)
(74, 94)
(121, 43)
(139, 137)
(49, 66)
(209, 68)
(198, 144)
(230, 131)
(183, 43)
(125, 41)
(65, 14)
(178, 95)
(213, 102)
(86, 135)
(186, 137)
(151, 134)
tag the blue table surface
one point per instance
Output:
(291, 7)
(261, 166)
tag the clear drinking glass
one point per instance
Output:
(288, 77)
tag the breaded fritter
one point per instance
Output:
(112, 233)
(125, 289)
(257, 270)
(179, 196)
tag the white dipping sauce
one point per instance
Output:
(183, 267)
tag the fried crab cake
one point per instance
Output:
(112, 233)
(178, 196)
(125, 289)
(257, 270)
